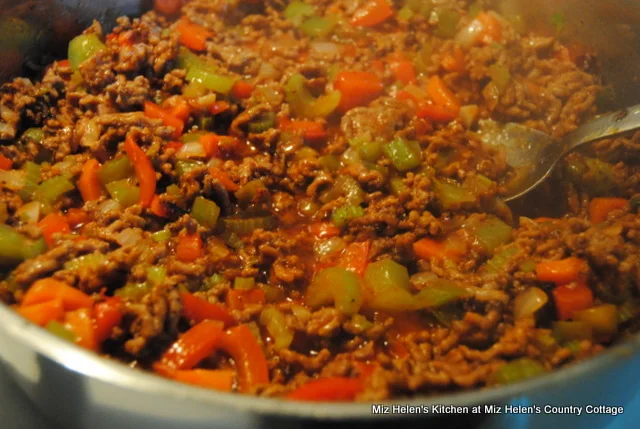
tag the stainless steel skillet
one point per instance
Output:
(81, 390)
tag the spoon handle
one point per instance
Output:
(607, 125)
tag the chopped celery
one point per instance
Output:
(500, 76)
(262, 123)
(244, 283)
(517, 370)
(124, 193)
(318, 27)
(206, 212)
(528, 266)
(447, 23)
(344, 186)
(210, 282)
(296, 11)
(490, 232)
(303, 103)
(405, 155)
(156, 275)
(193, 136)
(603, 320)
(360, 322)
(498, 262)
(215, 82)
(186, 167)
(388, 286)
(133, 291)
(187, 59)
(439, 293)
(162, 235)
(306, 152)
(35, 248)
(115, 169)
(405, 14)
(31, 179)
(371, 151)
(274, 321)
(51, 190)
(568, 331)
(397, 186)
(83, 47)
(90, 260)
(34, 135)
(242, 226)
(248, 192)
(61, 331)
(337, 285)
(272, 293)
(451, 195)
(330, 162)
(342, 215)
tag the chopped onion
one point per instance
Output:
(215, 162)
(324, 248)
(129, 236)
(469, 114)
(30, 212)
(470, 34)
(108, 206)
(191, 150)
(13, 179)
(267, 71)
(528, 302)
(325, 47)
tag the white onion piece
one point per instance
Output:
(215, 162)
(191, 150)
(13, 179)
(267, 71)
(528, 302)
(325, 48)
(470, 34)
(108, 206)
(129, 236)
(30, 212)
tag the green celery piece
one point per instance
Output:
(32, 173)
(61, 331)
(296, 11)
(162, 235)
(517, 370)
(34, 134)
(337, 285)
(451, 195)
(83, 47)
(275, 323)
(404, 155)
(244, 283)
(124, 192)
(248, 191)
(440, 293)
(156, 275)
(185, 167)
(133, 291)
(318, 27)
(215, 82)
(115, 169)
(193, 137)
(388, 283)
(12, 246)
(206, 212)
(371, 151)
(342, 215)
(51, 190)
(303, 104)
(447, 23)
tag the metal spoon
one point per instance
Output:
(534, 154)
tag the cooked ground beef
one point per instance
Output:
(309, 177)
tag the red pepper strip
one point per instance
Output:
(328, 389)
(219, 107)
(179, 107)
(372, 13)
(189, 247)
(158, 208)
(49, 289)
(43, 313)
(239, 299)
(436, 113)
(193, 36)
(356, 257)
(572, 298)
(224, 179)
(144, 170)
(198, 310)
(402, 68)
(241, 89)
(324, 230)
(218, 379)
(193, 346)
(562, 271)
(441, 95)
(176, 146)
(310, 130)
(89, 184)
(154, 111)
(77, 217)
(107, 315)
(357, 88)
(251, 364)
(51, 224)
(210, 144)
(5, 163)
(81, 324)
